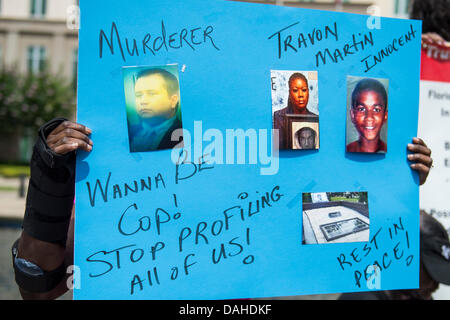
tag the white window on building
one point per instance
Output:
(401, 8)
(36, 59)
(38, 8)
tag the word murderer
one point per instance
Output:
(151, 44)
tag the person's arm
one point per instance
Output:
(431, 38)
(45, 248)
(49, 257)
(420, 158)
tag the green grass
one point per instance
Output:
(3, 188)
(344, 199)
(13, 171)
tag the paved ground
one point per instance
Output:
(8, 288)
(11, 213)
(12, 206)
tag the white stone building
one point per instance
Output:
(35, 33)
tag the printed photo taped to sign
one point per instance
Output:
(153, 107)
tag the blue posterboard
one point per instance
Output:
(224, 214)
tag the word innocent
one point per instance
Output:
(391, 48)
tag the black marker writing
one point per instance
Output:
(132, 221)
(122, 190)
(364, 267)
(358, 43)
(394, 46)
(151, 44)
(294, 42)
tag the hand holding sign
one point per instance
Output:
(69, 136)
(422, 161)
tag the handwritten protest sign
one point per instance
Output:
(221, 215)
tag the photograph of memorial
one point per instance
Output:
(367, 115)
(335, 217)
(295, 98)
(152, 99)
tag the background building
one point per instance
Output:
(39, 33)
(35, 34)
(388, 8)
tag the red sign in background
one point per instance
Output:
(435, 63)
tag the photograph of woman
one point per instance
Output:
(293, 93)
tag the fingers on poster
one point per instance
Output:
(335, 217)
(153, 107)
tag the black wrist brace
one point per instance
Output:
(50, 191)
(31, 277)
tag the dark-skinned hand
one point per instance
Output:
(420, 158)
(69, 136)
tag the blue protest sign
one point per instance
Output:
(214, 213)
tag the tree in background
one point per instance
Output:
(306, 198)
(31, 100)
(363, 197)
(28, 101)
(10, 100)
